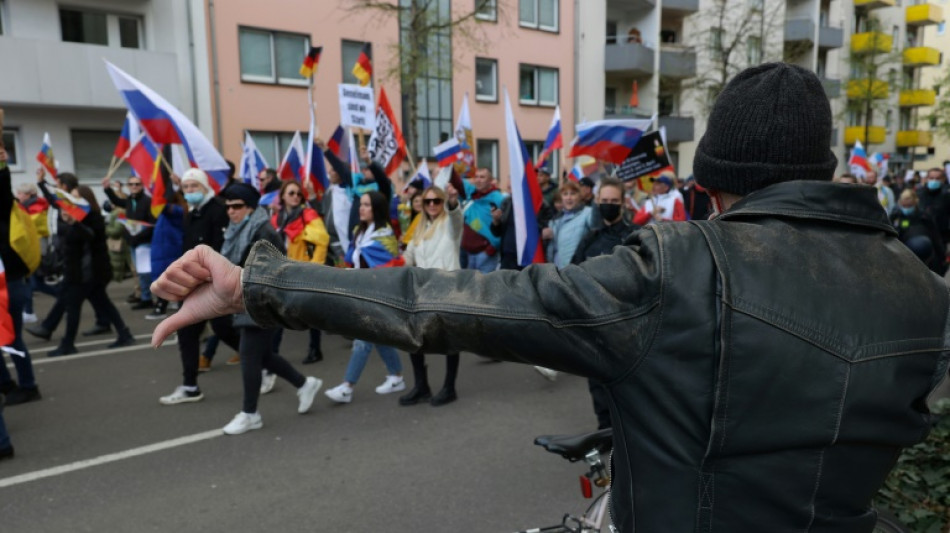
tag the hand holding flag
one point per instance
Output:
(45, 156)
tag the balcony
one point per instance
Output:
(918, 97)
(877, 135)
(800, 29)
(863, 89)
(832, 87)
(913, 138)
(830, 37)
(88, 83)
(681, 6)
(871, 41)
(921, 56)
(874, 4)
(923, 15)
(678, 129)
(629, 58)
(626, 111)
(677, 62)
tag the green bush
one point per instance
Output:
(918, 489)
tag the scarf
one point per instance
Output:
(378, 247)
(237, 237)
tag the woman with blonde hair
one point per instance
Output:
(435, 244)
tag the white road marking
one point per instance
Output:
(108, 340)
(108, 458)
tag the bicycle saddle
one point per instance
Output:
(575, 447)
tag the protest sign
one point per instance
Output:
(357, 108)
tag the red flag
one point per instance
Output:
(635, 96)
(387, 144)
(158, 193)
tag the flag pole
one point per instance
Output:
(118, 162)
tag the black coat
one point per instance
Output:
(206, 225)
(937, 205)
(14, 266)
(137, 207)
(602, 241)
(86, 255)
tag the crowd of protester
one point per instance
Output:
(365, 219)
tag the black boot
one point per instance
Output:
(313, 356)
(125, 339)
(447, 394)
(420, 392)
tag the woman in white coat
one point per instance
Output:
(435, 244)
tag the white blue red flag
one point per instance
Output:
(292, 166)
(448, 152)
(880, 162)
(554, 140)
(252, 162)
(130, 132)
(45, 156)
(608, 140)
(165, 124)
(421, 176)
(141, 158)
(338, 143)
(316, 167)
(526, 197)
(73, 206)
(465, 166)
(858, 162)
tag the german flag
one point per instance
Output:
(363, 69)
(309, 67)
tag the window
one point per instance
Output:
(538, 85)
(272, 144)
(610, 101)
(895, 36)
(2, 7)
(272, 56)
(11, 141)
(715, 43)
(941, 28)
(611, 32)
(754, 50)
(756, 5)
(92, 150)
(486, 10)
(487, 154)
(539, 14)
(534, 149)
(98, 27)
(433, 85)
(888, 120)
(350, 51)
(486, 80)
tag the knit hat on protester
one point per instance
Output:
(772, 123)
(196, 174)
(242, 191)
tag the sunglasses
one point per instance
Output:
(235, 206)
(293, 193)
(432, 201)
(134, 184)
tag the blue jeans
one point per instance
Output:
(481, 261)
(360, 355)
(4, 436)
(19, 292)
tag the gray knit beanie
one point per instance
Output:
(772, 123)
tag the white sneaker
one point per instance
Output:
(242, 423)
(550, 375)
(182, 395)
(29, 318)
(267, 382)
(306, 393)
(392, 384)
(342, 393)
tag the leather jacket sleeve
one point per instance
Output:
(596, 319)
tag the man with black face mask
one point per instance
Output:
(615, 229)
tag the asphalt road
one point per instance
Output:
(99, 453)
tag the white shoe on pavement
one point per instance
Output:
(242, 423)
(550, 375)
(267, 382)
(182, 395)
(29, 318)
(392, 384)
(342, 393)
(307, 392)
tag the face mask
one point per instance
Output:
(610, 212)
(194, 198)
(933, 185)
(907, 211)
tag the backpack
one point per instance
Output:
(24, 239)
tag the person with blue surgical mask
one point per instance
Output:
(935, 200)
(917, 230)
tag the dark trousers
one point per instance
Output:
(189, 341)
(73, 296)
(18, 292)
(257, 355)
(51, 322)
(315, 337)
(419, 370)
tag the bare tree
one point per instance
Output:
(421, 23)
(868, 86)
(939, 115)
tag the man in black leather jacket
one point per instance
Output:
(751, 386)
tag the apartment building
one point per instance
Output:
(55, 79)
(936, 36)
(523, 46)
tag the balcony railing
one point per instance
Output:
(874, 4)
(918, 97)
(921, 56)
(682, 6)
(626, 111)
(871, 41)
(923, 15)
(629, 58)
(677, 61)
(830, 37)
(876, 135)
(678, 129)
(800, 29)
(862, 89)
(832, 87)
(913, 138)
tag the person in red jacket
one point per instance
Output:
(662, 206)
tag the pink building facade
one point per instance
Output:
(526, 46)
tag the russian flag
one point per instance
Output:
(45, 156)
(252, 162)
(448, 152)
(73, 206)
(554, 140)
(337, 143)
(165, 124)
(422, 176)
(292, 166)
(316, 167)
(269, 198)
(859, 160)
(526, 197)
(608, 140)
(130, 131)
(142, 159)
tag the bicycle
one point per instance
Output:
(590, 448)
